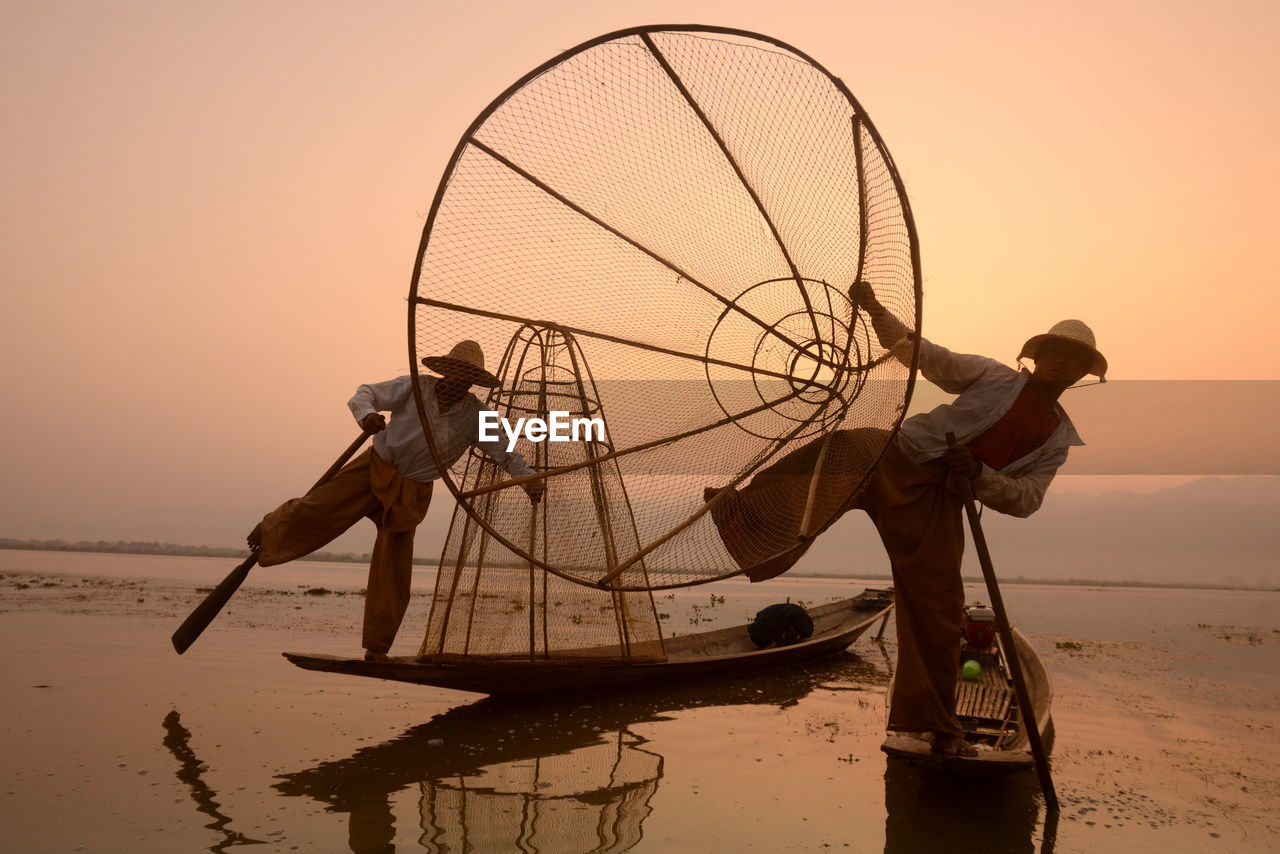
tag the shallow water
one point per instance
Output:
(1166, 714)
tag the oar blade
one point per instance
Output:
(204, 613)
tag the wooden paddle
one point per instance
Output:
(1006, 641)
(204, 613)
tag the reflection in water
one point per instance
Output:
(548, 776)
(176, 738)
(931, 811)
(594, 799)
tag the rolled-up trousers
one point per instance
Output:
(368, 487)
(918, 512)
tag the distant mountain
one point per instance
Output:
(1209, 531)
(1257, 490)
(1216, 531)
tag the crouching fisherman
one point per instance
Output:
(390, 484)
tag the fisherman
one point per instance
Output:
(391, 483)
(1011, 434)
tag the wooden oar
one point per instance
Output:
(1006, 640)
(204, 613)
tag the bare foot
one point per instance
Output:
(255, 538)
(370, 655)
(950, 745)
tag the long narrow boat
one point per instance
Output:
(722, 652)
(988, 709)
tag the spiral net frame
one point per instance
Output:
(693, 205)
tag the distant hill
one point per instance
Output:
(1216, 531)
(1262, 491)
(1212, 531)
(151, 548)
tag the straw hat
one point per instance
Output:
(465, 360)
(1074, 331)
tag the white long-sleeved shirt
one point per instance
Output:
(986, 390)
(404, 444)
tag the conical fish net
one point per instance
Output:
(692, 206)
(492, 601)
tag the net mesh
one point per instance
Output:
(691, 206)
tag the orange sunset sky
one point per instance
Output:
(211, 209)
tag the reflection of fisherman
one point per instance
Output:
(1011, 435)
(391, 483)
(925, 811)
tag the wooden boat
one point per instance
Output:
(722, 652)
(988, 711)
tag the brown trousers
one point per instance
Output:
(367, 487)
(917, 510)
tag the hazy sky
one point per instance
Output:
(211, 209)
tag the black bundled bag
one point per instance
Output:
(783, 624)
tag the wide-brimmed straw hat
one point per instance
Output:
(1074, 331)
(465, 360)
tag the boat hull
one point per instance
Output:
(720, 653)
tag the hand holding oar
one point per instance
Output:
(1006, 641)
(204, 613)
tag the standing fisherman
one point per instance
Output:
(391, 483)
(1012, 435)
